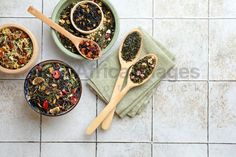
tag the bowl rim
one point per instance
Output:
(35, 50)
(26, 86)
(73, 55)
(73, 22)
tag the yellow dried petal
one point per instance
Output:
(37, 80)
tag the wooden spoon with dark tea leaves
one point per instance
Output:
(129, 53)
(86, 47)
(139, 74)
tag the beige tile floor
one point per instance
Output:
(192, 113)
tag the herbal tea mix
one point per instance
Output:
(16, 48)
(142, 69)
(131, 46)
(53, 88)
(87, 16)
(89, 49)
(103, 36)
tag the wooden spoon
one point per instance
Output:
(113, 103)
(125, 65)
(74, 39)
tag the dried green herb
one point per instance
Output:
(131, 46)
(87, 16)
(103, 36)
(52, 88)
(16, 48)
(142, 69)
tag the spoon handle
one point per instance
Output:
(49, 22)
(119, 82)
(113, 103)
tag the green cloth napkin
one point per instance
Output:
(103, 79)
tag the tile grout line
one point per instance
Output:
(96, 134)
(208, 77)
(40, 144)
(150, 18)
(152, 113)
(125, 142)
(86, 79)
(40, 138)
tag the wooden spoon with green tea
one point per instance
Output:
(139, 74)
(129, 53)
(86, 47)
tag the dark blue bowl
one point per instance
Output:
(27, 82)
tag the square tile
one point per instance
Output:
(188, 40)
(35, 27)
(18, 121)
(68, 149)
(137, 129)
(222, 50)
(72, 126)
(126, 25)
(180, 150)
(123, 149)
(180, 112)
(15, 8)
(222, 112)
(48, 7)
(19, 149)
(222, 8)
(181, 8)
(221, 150)
(51, 51)
(133, 8)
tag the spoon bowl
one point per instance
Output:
(77, 41)
(125, 63)
(133, 84)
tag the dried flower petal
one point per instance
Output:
(37, 80)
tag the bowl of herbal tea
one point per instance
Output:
(105, 35)
(86, 17)
(52, 88)
(18, 49)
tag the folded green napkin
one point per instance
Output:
(103, 79)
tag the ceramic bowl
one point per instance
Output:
(73, 10)
(26, 84)
(35, 51)
(55, 17)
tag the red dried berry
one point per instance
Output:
(56, 74)
(74, 100)
(73, 91)
(64, 91)
(45, 105)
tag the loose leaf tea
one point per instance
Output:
(89, 49)
(16, 48)
(142, 69)
(53, 88)
(131, 46)
(87, 16)
(103, 36)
